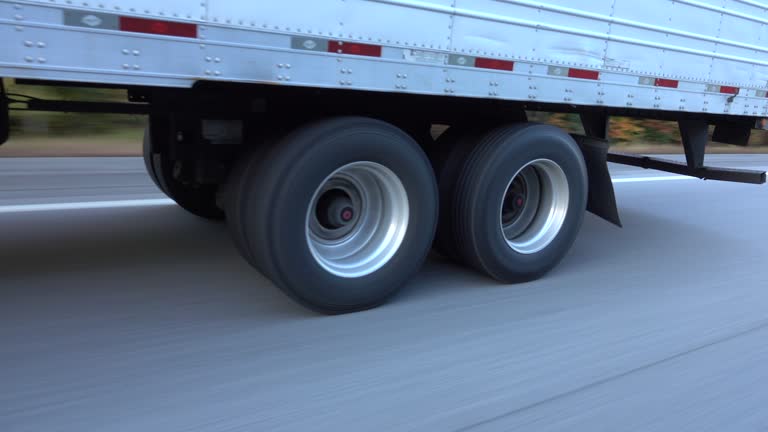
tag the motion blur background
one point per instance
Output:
(72, 134)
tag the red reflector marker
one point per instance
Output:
(661, 82)
(729, 90)
(354, 49)
(583, 74)
(168, 28)
(486, 63)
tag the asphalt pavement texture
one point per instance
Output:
(144, 318)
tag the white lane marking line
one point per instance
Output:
(651, 179)
(23, 208)
(672, 177)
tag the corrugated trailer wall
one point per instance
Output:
(711, 41)
(681, 55)
(722, 41)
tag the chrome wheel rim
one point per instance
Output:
(534, 206)
(357, 219)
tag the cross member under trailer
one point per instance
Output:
(704, 172)
(319, 147)
(694, 133)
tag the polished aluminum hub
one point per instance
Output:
(357, 219)
(534, 206)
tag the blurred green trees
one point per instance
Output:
(32, 123)
(622, 130)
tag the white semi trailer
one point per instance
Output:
(306, 124)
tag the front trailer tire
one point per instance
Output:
(305, 207)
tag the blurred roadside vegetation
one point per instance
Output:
(47, 124)
(623, 130)
(124, 130)
(628, 132)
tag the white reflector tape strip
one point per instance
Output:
(651, 179)
(461, 60)
(425, 57)
(310, 44)
(91, 20)
(557, 71)
(25, 208)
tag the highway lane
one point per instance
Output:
(88, 179)
(50, 180)
(145, 318)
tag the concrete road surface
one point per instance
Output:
(138, 317)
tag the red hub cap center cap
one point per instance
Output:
(347, 214)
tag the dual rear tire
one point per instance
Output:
(341, 213)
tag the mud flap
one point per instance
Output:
(601, 200)
(694, 135)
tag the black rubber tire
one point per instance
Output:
(200, 200)
(480, 189)
(275, 194)
(233, 190)
(447, 156)
(148, 159)
(237, 180)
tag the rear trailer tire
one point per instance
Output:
(198, 199)
(519, 201)
(340, 213)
